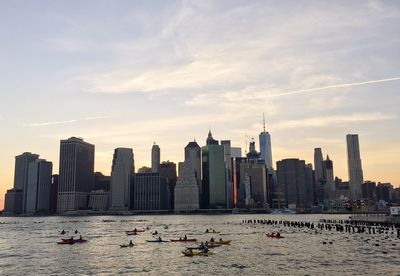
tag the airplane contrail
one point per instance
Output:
(301, 91)
(64, 122)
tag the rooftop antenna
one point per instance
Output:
(264, 121)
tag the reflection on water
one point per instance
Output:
(28, 246)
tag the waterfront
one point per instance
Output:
(28, 246)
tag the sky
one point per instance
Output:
(131, 73)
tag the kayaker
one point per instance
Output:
(278, 235)
(80, 237)
(185, 238)
(207, 231)
(206, 244)
(159, 239)
(63, 232)
(155, 233)
(220, 239)
(130, 243)
(212, 239)
(204, 250)
(71, 239)
(135, 230)
(76, 231)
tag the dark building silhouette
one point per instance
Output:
(293, 180)
(53, 194)
(384, 192)
(13, 202)
(369, 190)
(149, 192)
(101, 182)
(76, 179)
(167, 170)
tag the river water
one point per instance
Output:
(28, 246)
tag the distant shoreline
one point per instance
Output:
(85, 213)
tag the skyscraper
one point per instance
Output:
(187, 188)
(150, 192)
(318, 175)
(214, 186)
(21, 174)
(193, 154)
(38, 186)
(318, 165)
(356, 178)
(76, 177)
(155, 158)
(228, 173)
(121, 172)
(328, 174)
(293, 175)
(265, 147)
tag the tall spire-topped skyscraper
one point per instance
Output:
(356, 178)
(265, 146)
(210, 140)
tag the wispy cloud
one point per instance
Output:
(54, 123)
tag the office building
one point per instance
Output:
(356, 178)
(254, 180)
(318, 175)
(155, 158)
(13, 202)
(265, 147)
(214, 179)
(38, 187)
(292, 182)
(53, 194)
(101, 182)
(21, 175)
(187, 188)
(99, 200)
(228, 173)
(369, 190)
(76, 174)
(168, 172)
(150, 192)
(384, 192)
(121, 173)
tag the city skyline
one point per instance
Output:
(319, 71)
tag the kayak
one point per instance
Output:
(183, 240)
(156, 241)
(220, 242)
(274, 237)
(188, 253)
(137, 230)
(131, 233)
(127, 245)
(68, 241)
(208, 246)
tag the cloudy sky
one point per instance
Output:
(128, 73)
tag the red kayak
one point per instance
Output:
(274, 237)
(183, 240)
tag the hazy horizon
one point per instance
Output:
(130, 73)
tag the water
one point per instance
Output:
(28, 246)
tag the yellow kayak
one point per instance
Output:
(220, 242)
(189, 253)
